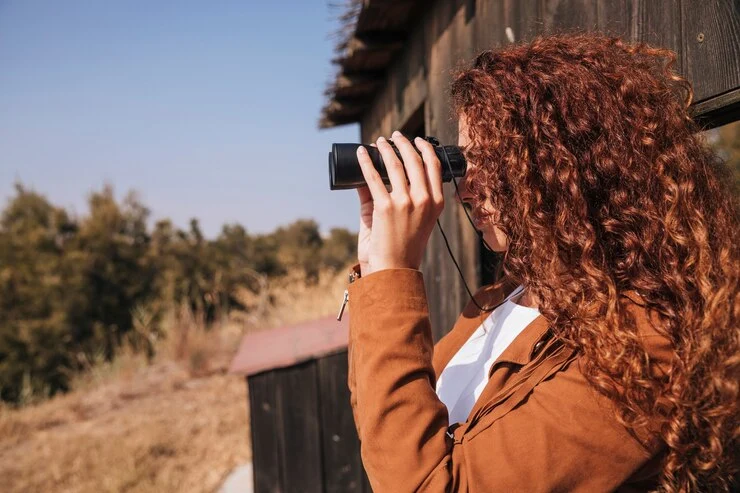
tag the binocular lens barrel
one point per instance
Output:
(345, 171)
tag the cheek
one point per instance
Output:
(488, 206)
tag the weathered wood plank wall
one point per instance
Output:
(705, 35)
(264, 432)
(342, 466)
(303, 433)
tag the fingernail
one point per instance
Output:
(381, 139)
(396, 134)
(361, 150)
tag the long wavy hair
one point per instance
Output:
(604, 184)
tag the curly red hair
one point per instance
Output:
(604, 184)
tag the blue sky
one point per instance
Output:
(207, 109)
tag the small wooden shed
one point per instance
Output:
(303, 433)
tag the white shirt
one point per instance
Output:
(466, 375)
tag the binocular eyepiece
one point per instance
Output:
(345, 171)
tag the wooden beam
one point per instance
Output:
(381, 37)
(378, 43)
(717, 111)
(330, 122)
(359, 101)
(338, 108)
(352, 86)
(384, 13)
(359, 79)
(359, 61)
(367, 90)
(355, 83)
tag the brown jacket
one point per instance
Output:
(536, 427)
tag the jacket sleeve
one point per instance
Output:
(564, 439)
(401, 423)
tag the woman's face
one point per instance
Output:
(495, 238)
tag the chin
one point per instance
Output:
(494, 242)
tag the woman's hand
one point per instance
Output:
(395, 227)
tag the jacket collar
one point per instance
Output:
(524, 347)
(519, 351)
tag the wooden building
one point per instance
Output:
(394, 70)
(302, 431)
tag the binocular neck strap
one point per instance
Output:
(447, 244)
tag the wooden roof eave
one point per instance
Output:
(360, 79)
(379, 33)
(346, 107)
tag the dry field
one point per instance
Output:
(179, 423)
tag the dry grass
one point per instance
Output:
(178, 423)
(294, 302)
(152, 428)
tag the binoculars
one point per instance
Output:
(345, 171)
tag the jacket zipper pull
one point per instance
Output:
(344, 303)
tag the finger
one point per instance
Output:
(364, 193)
(394, 167)
(419, 186)
(366, 207)
(433, 169)
(386, 185)
(372, 178)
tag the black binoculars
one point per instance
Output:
(345, 171)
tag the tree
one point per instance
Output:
(339, 249)
(299, 246)
(35, 322)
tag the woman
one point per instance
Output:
(618, 230)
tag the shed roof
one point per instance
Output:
(373, 31)
(286, 346)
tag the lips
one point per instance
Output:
(473, 216)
